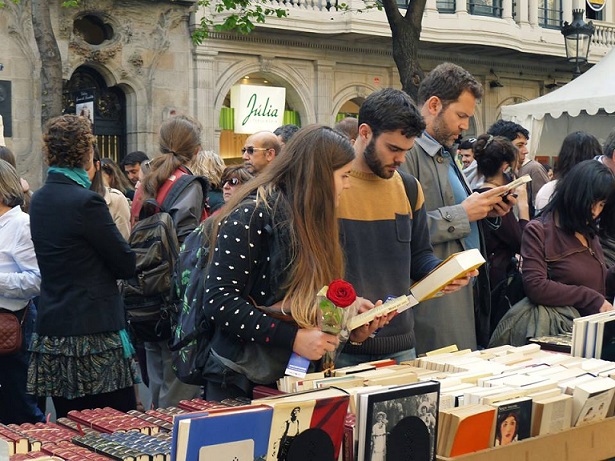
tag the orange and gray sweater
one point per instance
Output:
(387, 246)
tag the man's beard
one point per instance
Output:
(374, 163)
(441, 133)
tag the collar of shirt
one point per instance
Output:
(6, 217)
(429, 144)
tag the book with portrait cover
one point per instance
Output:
(307, 425)
(399, 422)
(230, 427)
(513, 420)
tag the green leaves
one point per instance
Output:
(243, 15)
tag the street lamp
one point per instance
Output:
(577, 37)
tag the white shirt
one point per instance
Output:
(544, 195)
(20, 278)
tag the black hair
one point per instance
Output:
(508, 129)
(491, 152)
(389, 110)
(503, 417)
(447, 81)
(285, 132)
(587, 182)
(577, 147)
(133, 158)
(466, 143)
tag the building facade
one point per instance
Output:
(137, 62)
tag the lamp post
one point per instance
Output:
(577, 37)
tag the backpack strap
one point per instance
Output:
(412, 188)
(179, 186)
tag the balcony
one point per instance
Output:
(521, 26)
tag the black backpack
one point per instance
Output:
(149, 296)
(192, 331)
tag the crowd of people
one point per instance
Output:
(379, 200)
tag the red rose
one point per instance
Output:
(341, 293)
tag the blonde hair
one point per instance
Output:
(298, 187)
(209, 164)
(11, 192)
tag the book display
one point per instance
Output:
(504, 403)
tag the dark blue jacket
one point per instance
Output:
(80, 254)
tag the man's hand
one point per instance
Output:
(363, 332)
(459, 283)
(488, 203)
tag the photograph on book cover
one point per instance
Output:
(401, 427)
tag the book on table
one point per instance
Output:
(238, 429)
(398, 422)
(591, 400)
(513, 420)
(307, 423)
(455, 266)
(465, 429)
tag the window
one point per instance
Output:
(550, 14)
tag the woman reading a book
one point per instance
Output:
(563, 263)
(275, 248)
(496, 159)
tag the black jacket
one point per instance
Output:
(80, 254)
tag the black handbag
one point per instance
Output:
(506, 293)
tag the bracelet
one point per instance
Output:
(355, 343)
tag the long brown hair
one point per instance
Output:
(299, 183)
(179, 139)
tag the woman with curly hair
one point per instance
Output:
(80, 349)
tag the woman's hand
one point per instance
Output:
(459, 283)
(606, 306)
(312, 343)
(363, 332)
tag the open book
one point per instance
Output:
(398, 304)
(516, 183)
(455, 266)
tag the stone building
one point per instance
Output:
(136, 61)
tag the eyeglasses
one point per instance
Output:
(250, 150)
(231, 182)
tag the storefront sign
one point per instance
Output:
(596, 5)
(257, 108)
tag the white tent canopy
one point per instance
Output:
(586, 103)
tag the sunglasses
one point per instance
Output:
(250, 150)
(231, 182)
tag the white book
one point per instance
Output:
(592, 400)
(454, 267)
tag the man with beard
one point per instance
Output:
(383, 223)
(447, 97)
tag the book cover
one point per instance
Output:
(605, 339)
(251, 423)
(399, 423)
(591, 400)
(552, 414)
(513, 421)
(466, 430)
(454, 267)
(310, 419)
